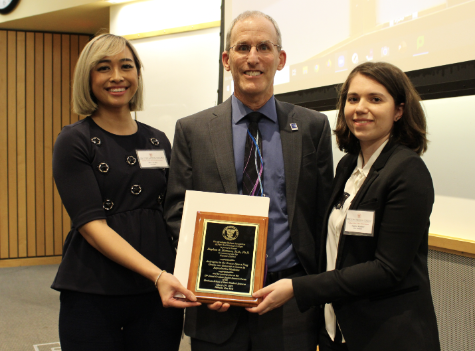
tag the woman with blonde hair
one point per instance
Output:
(111, 173)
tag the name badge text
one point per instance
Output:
(359, 223)
(152, 158)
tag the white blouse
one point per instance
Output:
(335, 224)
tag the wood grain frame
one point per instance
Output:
(259, 259)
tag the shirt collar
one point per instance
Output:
(365, 170)
(239, 110)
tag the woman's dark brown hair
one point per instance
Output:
(409, 130)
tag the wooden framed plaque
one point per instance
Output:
(228, 258)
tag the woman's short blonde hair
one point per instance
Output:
(84, 101)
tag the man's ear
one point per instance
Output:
(225, 60)
(282, 59)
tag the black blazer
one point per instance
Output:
(203, 159)
(380, 288)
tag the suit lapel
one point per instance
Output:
(292, 153)
(372, 176)
(221, 135)
(374, 173)
(338, 187)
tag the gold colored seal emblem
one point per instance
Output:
(230, 232)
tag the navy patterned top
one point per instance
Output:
(98, 176)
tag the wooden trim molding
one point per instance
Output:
(34, 261)
(175, 30)
(456, 246)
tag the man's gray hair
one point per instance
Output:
(253, 14)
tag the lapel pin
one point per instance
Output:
(293, 126)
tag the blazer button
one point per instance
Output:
(131, 160)
(96, 140)
(136, 189)
(103, 167)
(154, 141)
(160, 198)
(107, 205)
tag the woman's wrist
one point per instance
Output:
(158, 277)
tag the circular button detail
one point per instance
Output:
(160, 198)
(96, 140)
(107, 205)
(103, 167)
(131, 160)
(136, 189)
(154, 141)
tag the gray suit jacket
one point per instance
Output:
(203, 159)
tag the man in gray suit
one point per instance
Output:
(208, 155)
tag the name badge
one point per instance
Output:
(152, 159)
(359, 223)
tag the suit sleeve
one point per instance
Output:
(180, 179)
(325, 174)
(401, 232)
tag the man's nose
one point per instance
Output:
(253, 56)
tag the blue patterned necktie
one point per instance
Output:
(253, 176)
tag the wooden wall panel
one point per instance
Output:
(30, 145)
(49, 138)
(35, 103)
(12, 146)
(66, 120)
(21, 142)
(3, 146)
(74, 54)
(83, 40)
(49, 68)
(39, 146)
(57, 120)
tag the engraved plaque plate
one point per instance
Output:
(228, 258)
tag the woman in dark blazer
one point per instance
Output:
(374, 282)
